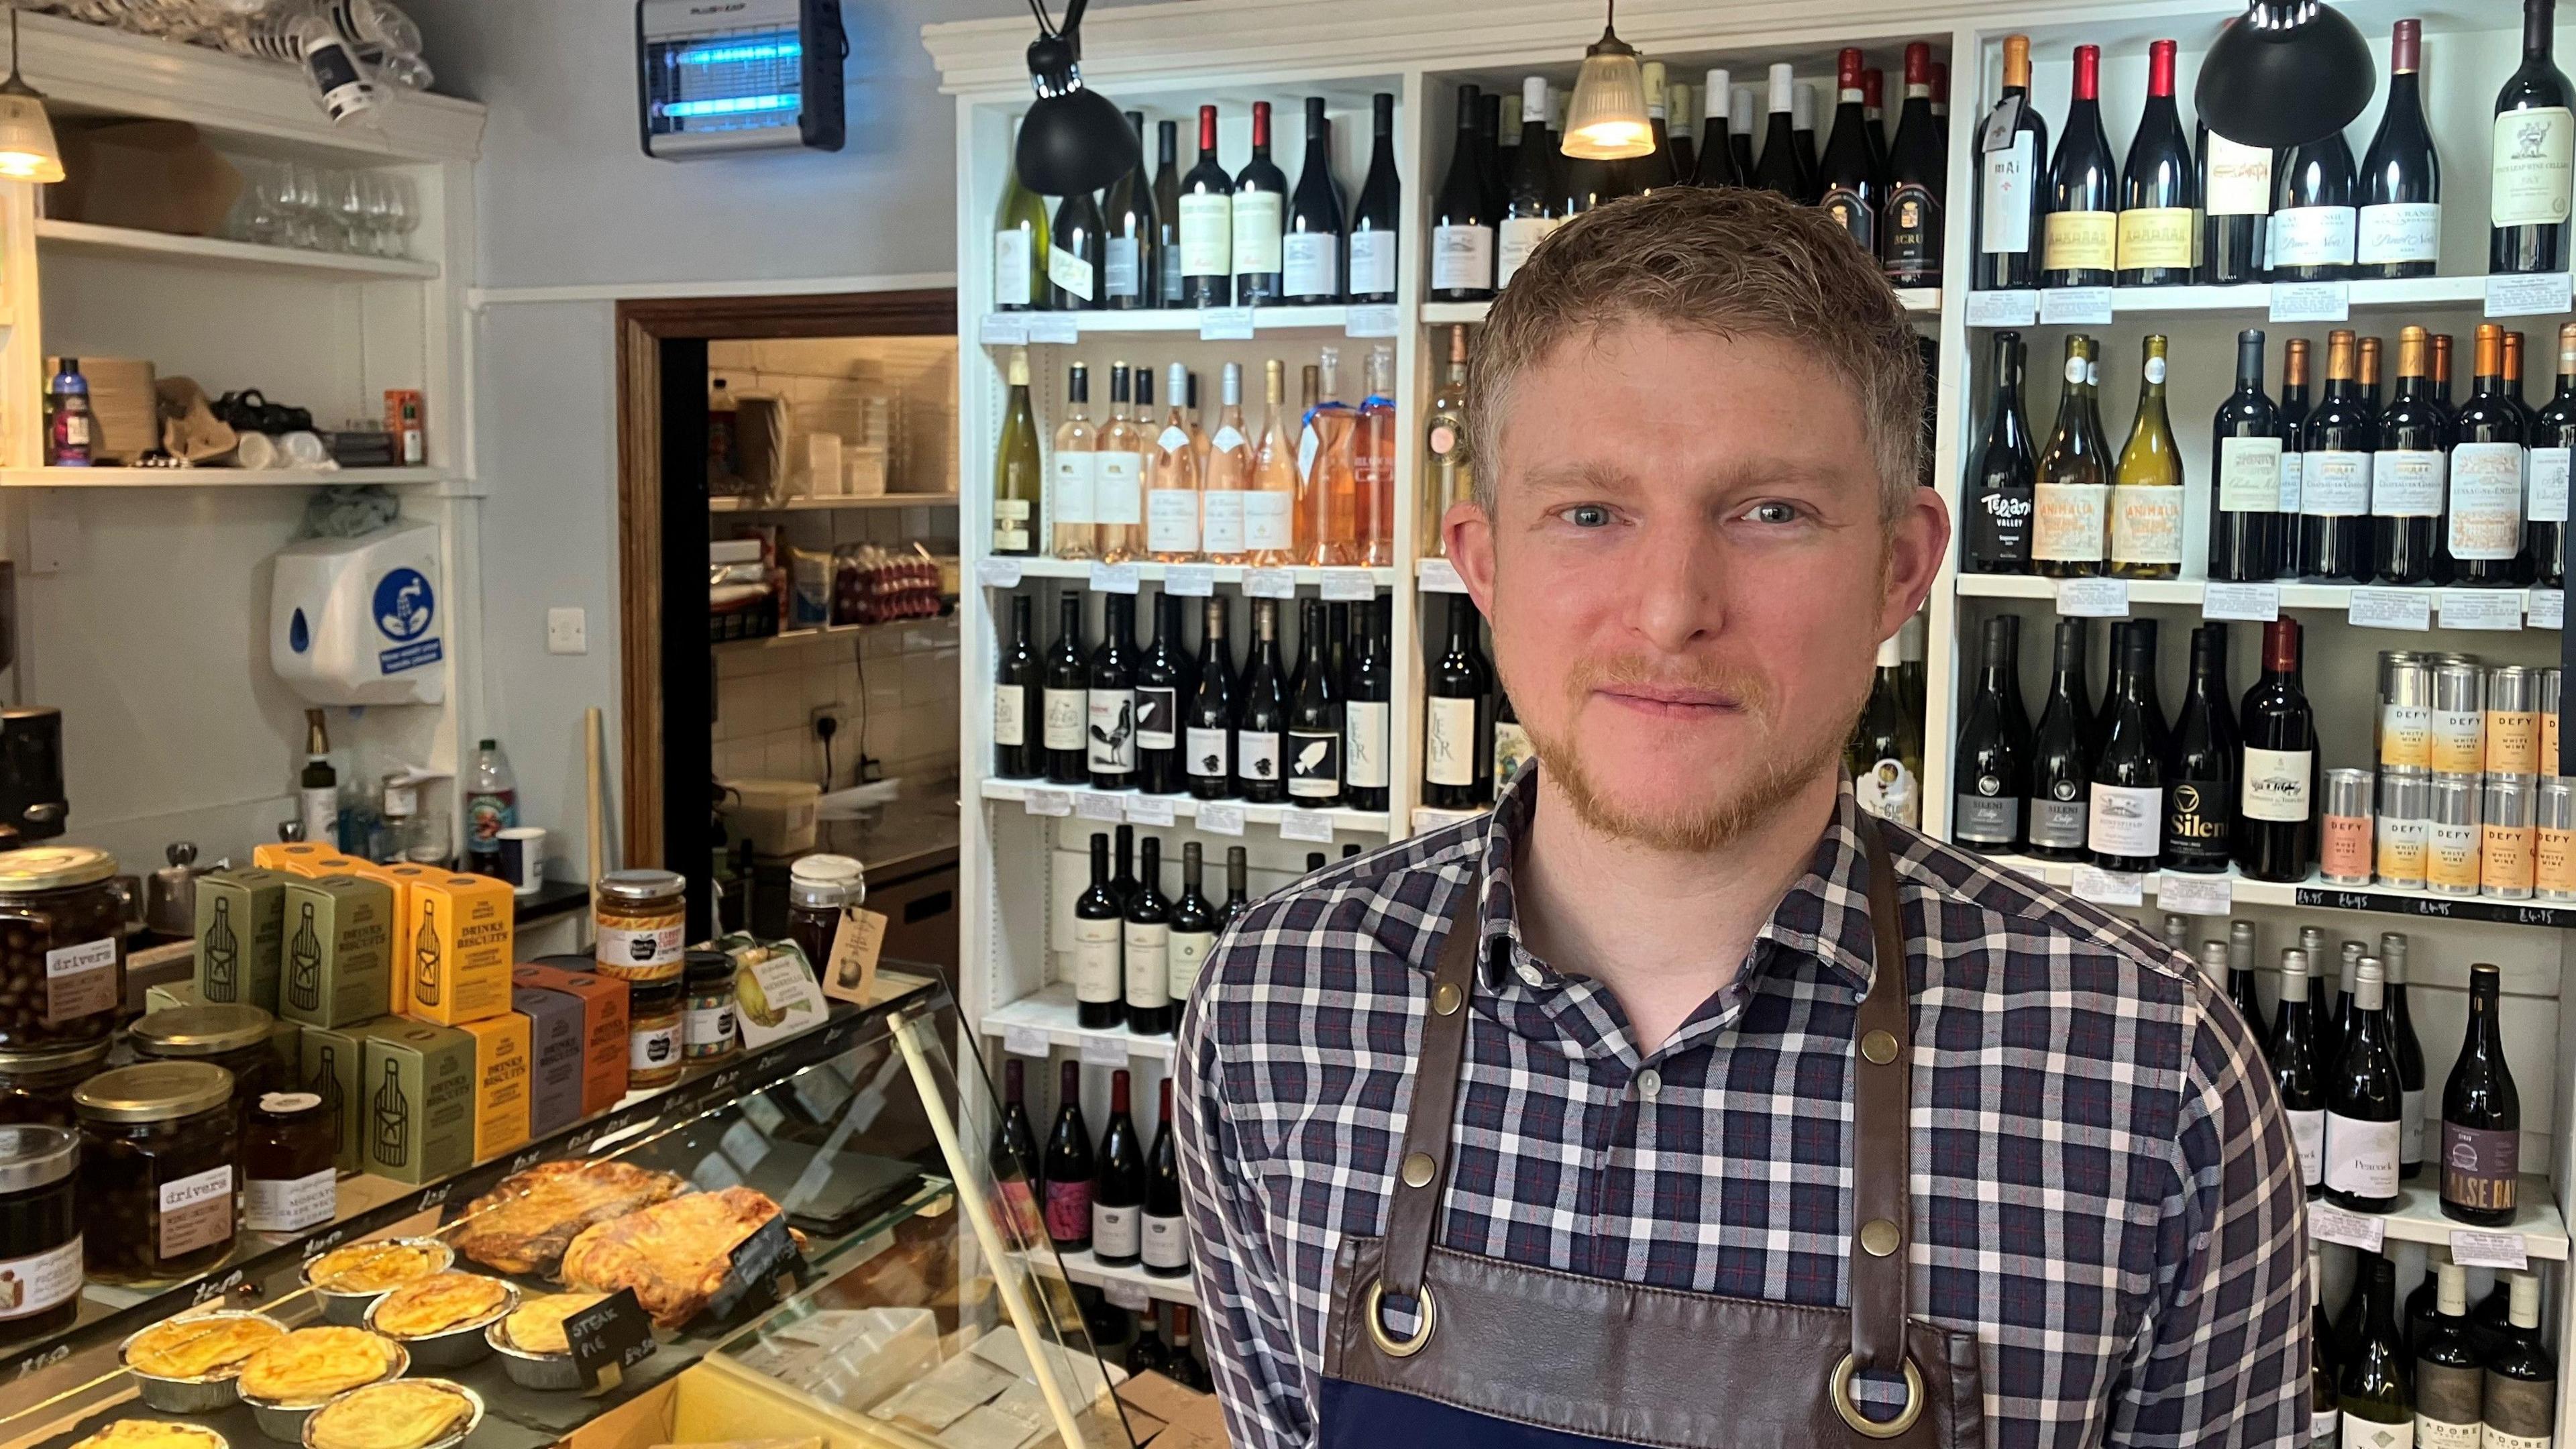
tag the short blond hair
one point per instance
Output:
(1731, 261)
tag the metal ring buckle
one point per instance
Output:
(1861, 1423)
(1373, 1309)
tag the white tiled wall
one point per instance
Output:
(823, 377)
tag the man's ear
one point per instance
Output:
(1468, 532)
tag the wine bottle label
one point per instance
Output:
(2458, 740)
(2504, 860)
(2403, 844)
(1207, 234)
(1010, 715)
(1117, 489)
(2361, 1433)
(1071, 272)
(2406, 736)
(2486, 501)
(2312, 236)
(1120, 273)
(2495, 1438)
(1311, 264)
(1912, 241)
(1314, 765)
(1189, 954)
(1012, 283)
(1256, 232)
(1853, 215)
(1985, 818)
(1999, 528)
(2343, 849)
(1511, 747)
(1364, 729)
(1011, 525)
(1209, 757)
(2146, 524)
(2197, 822)
(2308, 1138)
(1449, 741)
(1075, 472)
(2410, 1129)
(1167, 1242)
(1887, 790)
(1372, 263)
(1520, 234)
(1068, 1211)
(1172, 518)
(2157, 236)
(2451, 858)
(2124, 820)
(2058, 824)
(1256, 755)
(1149, 965)
(1221, 518)
(2240, 178)
(1114, 1230)
(1462, 258)
(47, 1278)
(2406, 484)
(2067, 521)
(2521, 1413)
(2528, 182)
(2547, 502)
(1265, 520)
(2325, 1426)
(2293, 481)
(2553, 862)
(2086, 241)
(1064, 711)
(2249, 473)
(2010, 173)
(2399, 231)
(1158, 718)
(2447, 1405)
(2334, 485)
(1095, 961)
(2361, 1157)
(2276, 784)
(1111, 737)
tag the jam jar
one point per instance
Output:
(36, 1082)
(707, 1023)
(158, 1143)
(235, 1037)
(62, 945)
(641, 917)
(288, 1184)
(653, 1044)
(818, 887)
(40, 1231)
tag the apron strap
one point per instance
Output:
(1422, 1173)
(1882, 1079)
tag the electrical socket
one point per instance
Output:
(815, 717)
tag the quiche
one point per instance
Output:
(527, 1220)
(438, 1303)
(375, 1267)
(311, 1364)
(404, 1414)
(673, 1254)
(538, 1327)
(151, 1434)
(211, 1347)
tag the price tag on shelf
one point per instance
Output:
(999, 573)
(1377, 321)
(1113, 578)
(1105, 806)
(1440, 576)
(1002, 329)
(1024, 1041)
(1149, 809)
(2110, 887)
(1349, 585)
(1056, 327)
(1270, 583)
(2548, 609)
(2017, 308)
(1221, 819)
(2512, 295)
(2253, 603)
(1190, 581)
(2093, 598)
(1130, 1296)
(1048, 802)
(2027, 870)
(2330, 1224)
(2472, 1249)
(2390, 609)
(2481, 608)
(1104, 1051)
(2311, 301)
(2188, 894)
(2075, 306)
(1314, 825)
(1225, 324)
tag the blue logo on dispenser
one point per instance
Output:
(404, 609)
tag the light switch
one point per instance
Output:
(567, 632)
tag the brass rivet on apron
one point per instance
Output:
(1418, 1169)
(1878, 1237)
(1444, 998)
(1879, 1047)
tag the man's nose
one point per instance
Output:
(1676, 582)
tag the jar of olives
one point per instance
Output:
(40, 1231)
(36, 1082)
(158, 1144)
(232, 1036)
(62, 945)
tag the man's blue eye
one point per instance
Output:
(1588, 515)
(1774, 513)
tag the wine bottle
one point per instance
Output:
(1367, 692)
(1067, 690)
(2485, 536)
(1118, 467)
(1529, 201)
(2378, 1412)
(1680, 119)
(2442, 379)
(1016, 472)
(2080, 244)
(2278, 830)
(2450, 1380)
(1778, 169)
(1994, 752)
(1148, 1354)
(2370, 390)
(2482, 1115)
(1168, 288)
(2236, 206)
(1162, 684)
(1739, 132)
(2363, 1108)
(1131, 258)
(2553, 432)
(1848, 169)
(1118, 1194)
(2240, 984)
(1194, 927)
(1207, 745)
(2339, 1027)
(2200, 776)
(1019, 241)
(1511, 742)
(1261, 720)
(1225, 473)
(2061, 768)
(1014, 1159)
(1068, 1164)
(1171, 474)
(2159, 187)
(1207, 224)
(1075, 254)
(1259, 205)
(1019, 686)
(2293, 415)
(1873, 100)
(1311, 252)
(2124, 825)
(1314, 716)
(2071, 496)
(2294, 1070)
(1166, 1246)
(1802, 144)
(1185, 1368)
(1110, 717)
(1375, 219)
(1462, 230)
(1489, 151)
(2012, 203)
(1074, 477)
(1717, 159)
(1654, 170)
(2521, 1399)
(1373, 444)
(1269, 505)
(2399, 231)
(2146, 496)
(2245, 512)
(1236, 902)
(2533, 136)
(2334, 475)
(1099, 991)
(2406, 474)
(1147, 947)
(1457, 720)
(2410, 1055)
(1122, 886)
(2325, 1420)
(2313, 218)
(1885, 754)
(1918, 173)
(1999, 522)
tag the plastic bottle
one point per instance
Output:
(491, 806)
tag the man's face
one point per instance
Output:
(1688, 574)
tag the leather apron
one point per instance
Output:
(1503, 1356)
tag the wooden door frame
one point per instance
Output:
(642, 327)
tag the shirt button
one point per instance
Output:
(1532, 976)
(1650, 1084)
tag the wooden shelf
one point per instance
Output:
(834, 505)
(216, 477)
(81, 236)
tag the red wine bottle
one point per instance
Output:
(1848, 169)
(2245, 503)
(1067, 696)
(2200, 775)
(1109, 729)
(2012, 201)
(1462, 226)
(1717, 152)
(1014, 1159)
(1118, 1193)
(2124, 830)
(1311, 253)
(1019, 688)
(2553, 434)
(2485, 535)
(1261, 720)
(2334, 474)
(2240, 983)
(1099, 992)
(1997, 538)
(1130, 272)
(2159, 187)
(1259, 218)
(1367, 689)
(2061, 769)
(1207, 225)
(1375, 219)
(1778, 170)
(2400, 228)
(1162, 683)
(1167, 1240)
(1917, 179)
(2313, 216)
(2482, 1115)
(1147, 951)
(1068, 1165)
(2406, 501)
(1315, 723)
(2278, 832)
(1994, 748)
(2081, 243)
(2527, 188)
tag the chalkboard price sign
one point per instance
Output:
(608, 1338)
(758, 1263)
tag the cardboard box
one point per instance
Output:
(339, 929)
(331, 1067)
(241, 935)
(1190, 1419)
(554, 1056)
(415, 1106)
(402, 878)
(456, 947)
(295, 857)
(500, 1083)
(603, 1032)
(149, 175)
(177, 993)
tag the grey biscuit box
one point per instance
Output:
(332, 1060)
(416, 1085)
(555, 1025)
(241, 935)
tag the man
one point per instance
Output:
(1677, 1102)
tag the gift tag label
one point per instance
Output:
(2390, 609)
(1024, 1041)
(2093, 598)
(1100, 805)
(2109, 887)
(1104, 1051)
(777, 998)
(2547, 609)
(1270, 583)
(1117, 578)
(1190, 581)
(1221, 819)
(1369, 321)
(856, 943)
(2253, 603)
(1056, 327)
(2018, 308)
(2311, 301)
(1149, 810)
(2195, 895)
(1047, 802)
(2075, 306)
(2330, 1224)
(1349, 585)
(2481, 608)
(1225, 324)
(999, 573)
(608, 1338)
(1002, 329)
(2528, 294)
(1311, 825)
(2471, 1249)
(1440, 576)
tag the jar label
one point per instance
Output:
(623, 949)
(80, 980)
(652, 1048)
(707, 1031)
(289, 1204)
(30, 1285)
(197, 1211)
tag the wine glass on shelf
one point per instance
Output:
(403, 214)
(347, 194)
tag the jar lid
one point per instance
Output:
(706, 968)
(52, 867)
(288, 1105)
(202, 1031)
(32, 1155)
(640, 886)
(53, 1056)
(822, 869)
(661, 991)
(153, 1092)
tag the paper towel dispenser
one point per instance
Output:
(361, 620)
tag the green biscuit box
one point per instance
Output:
(332, 1064)
(416, 1100)
(241, 936)
(338, 931)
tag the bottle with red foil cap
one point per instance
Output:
(2159, 187)
(1873, 109)
(1207, 225)
(2400, 229)
(1910, 235)
(1852, 192)
(2279, 838)
(1259, 212)
(2081, 242)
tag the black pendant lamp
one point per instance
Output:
(2285, 73)
(1073, 138)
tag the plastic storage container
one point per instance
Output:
(777, 816)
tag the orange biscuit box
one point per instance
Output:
(455, 948)
(500, 1083)
(296, 857)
